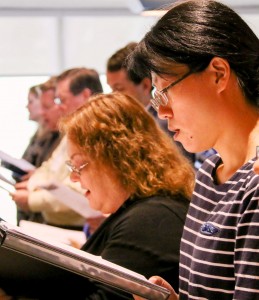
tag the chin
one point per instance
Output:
(188, 145)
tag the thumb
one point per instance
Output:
(163, 283)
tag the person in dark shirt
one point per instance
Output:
(132, 171)
(46, 137)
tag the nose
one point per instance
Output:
(74, 177)
(165, 112)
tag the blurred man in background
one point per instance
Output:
(135, 85)
(74, 87)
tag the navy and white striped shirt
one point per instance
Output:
(220, 244)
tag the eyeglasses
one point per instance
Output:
(74, 169)
(160, 97)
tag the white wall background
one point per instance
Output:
(48, 45)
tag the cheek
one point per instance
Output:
(56, 115)
(99, 186)
(179, 109)
(63, 109)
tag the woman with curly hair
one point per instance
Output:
(131, 170)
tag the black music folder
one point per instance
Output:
(24, 255)
(18, 166)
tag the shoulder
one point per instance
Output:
(208, 167)
(149, 217)
(156, 206)
(61, 149)
(248, 179)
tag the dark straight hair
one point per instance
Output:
(192, 32)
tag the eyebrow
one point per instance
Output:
(117, 85)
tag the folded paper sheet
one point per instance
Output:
(21, 164)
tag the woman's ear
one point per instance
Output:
(221, 72)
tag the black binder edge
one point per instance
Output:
(79, 262)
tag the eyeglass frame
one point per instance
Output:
(74, 169)
(160, 97)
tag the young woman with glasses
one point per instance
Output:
(204, 62)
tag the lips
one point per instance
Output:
(176, 133)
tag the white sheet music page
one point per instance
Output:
(6, 184)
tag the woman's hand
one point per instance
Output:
(27, 176)
(161, 282)
(20, 197)
(21, 185)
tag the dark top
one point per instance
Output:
(38, 150)
(143, 236)
(41, 147)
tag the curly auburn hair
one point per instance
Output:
(116, 131)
